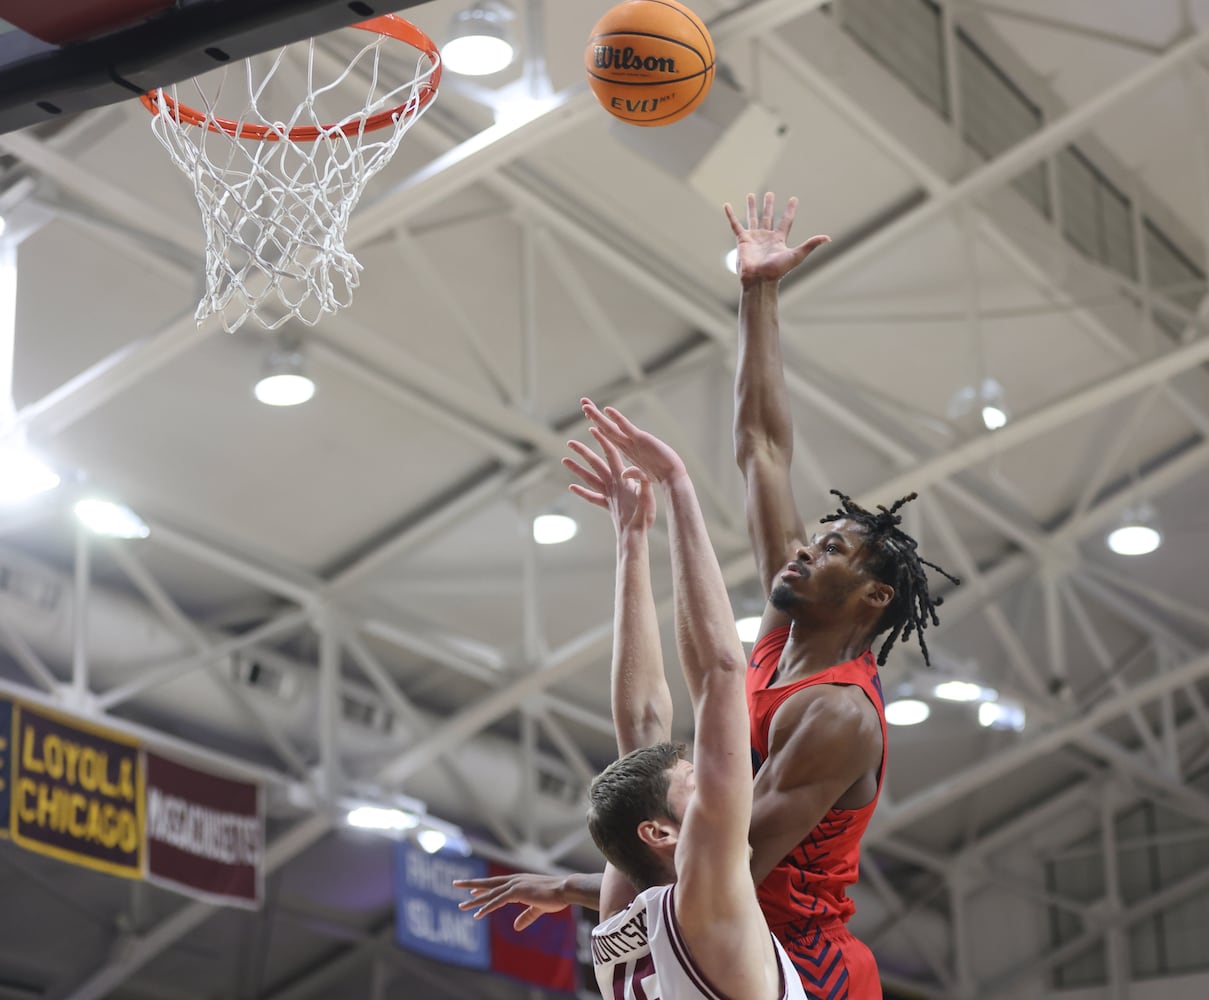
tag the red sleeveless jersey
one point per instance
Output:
(809, 885)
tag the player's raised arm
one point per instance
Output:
(641, 701)
(763, 423)
(715, 899)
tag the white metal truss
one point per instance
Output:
(524, 447)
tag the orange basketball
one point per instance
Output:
(650, 62)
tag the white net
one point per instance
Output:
(276, 209)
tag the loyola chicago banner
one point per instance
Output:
(205, 834)
(6, 756)
(77, 792)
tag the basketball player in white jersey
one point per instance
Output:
(679, 917)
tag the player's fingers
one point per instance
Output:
(608, 435)
(751, 211)
(791, 208)
(491, 903)
(616, 465)
(595, 499)
(594, 476)
(736, 227)
(592, 482)
(807, 248)
(481, 906)
(627, 427)
(590, 491)
(589, 456)
(528, 915)
(769, 205)
(595, 414)
(481, 884)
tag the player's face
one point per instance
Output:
(826, 571)
(682, 782)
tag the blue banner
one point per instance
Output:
(427, 918)
(6, 767)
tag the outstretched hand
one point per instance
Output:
(652, 456)
(539, 894)
(625, 492)
(764, 251)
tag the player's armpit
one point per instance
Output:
(821, 743)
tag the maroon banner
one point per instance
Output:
(543, 954)
(205, 834)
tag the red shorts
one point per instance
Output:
(832, 964)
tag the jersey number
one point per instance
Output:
(636, 980)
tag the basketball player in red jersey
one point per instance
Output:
(818, 724)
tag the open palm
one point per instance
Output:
(764, 250)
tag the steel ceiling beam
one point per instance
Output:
(1087, 31)
(1121, 920)
(981, 774)
(1001, 170)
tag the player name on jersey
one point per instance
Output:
(630, 937)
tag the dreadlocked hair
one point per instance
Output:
(893, 559)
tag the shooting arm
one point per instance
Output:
(764, 430)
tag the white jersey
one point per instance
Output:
(640, 954)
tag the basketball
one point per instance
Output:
(650, 62)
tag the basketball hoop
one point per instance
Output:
(276, 191)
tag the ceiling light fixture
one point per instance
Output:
(553, 529)
(23, 474)
(432, 840)
(731, 260)
(284, 381)
(998, 715)
(993, 417)
(113, 520)
(986, 398)
(963, 691)
(381, 818)
(907, 712)
(748, 628)
(479, 40)
(992, 410)
(1137, 535)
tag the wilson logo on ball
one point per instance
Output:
(608, 57)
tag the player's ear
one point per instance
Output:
(658, 833)
(879, 594)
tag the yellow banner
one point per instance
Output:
(77, 792)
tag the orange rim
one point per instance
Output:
(390, 25)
